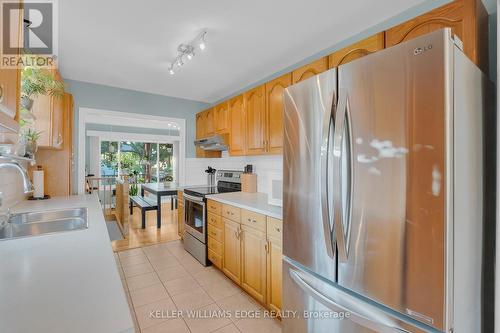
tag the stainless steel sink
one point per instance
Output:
(47, 222)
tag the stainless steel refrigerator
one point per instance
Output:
(383, 193)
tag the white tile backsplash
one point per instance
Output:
(11, 185)
(263, 166)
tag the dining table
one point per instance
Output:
(160, 190)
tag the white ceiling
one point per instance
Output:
(129, 44)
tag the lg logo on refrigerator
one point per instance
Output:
(420, 50)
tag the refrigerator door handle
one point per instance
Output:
(325, 210)
(363, 316)
(342, 132)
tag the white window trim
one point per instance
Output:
(115, 118)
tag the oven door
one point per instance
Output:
(195, 217)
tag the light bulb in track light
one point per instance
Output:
(202, 45)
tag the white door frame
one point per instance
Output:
(116, 118)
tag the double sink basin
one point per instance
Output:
(46, 222)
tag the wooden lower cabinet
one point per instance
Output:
(253, 262)
(231, 262)
(274, 263)
(249, 251)
(180, 219)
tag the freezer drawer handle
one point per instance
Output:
(342, 132)
(325, 210)
(365, 320)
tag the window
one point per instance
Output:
(144, 161)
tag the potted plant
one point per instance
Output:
(36, 81)
(29, 138)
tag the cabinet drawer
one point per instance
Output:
(254, 220)
(214, 245)
(231, 212)
(215, 220)
(275, 227)
(215, 259)
(215, 233)
(214, 207)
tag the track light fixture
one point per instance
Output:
(186, 51)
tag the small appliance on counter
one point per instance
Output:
(249, 180)
(195, 211)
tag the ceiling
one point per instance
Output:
(129, 44)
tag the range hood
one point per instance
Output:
(213, 143)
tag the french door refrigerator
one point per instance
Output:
(383, 193)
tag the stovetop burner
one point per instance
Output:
(206, 190)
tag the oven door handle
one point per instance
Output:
(194, 199)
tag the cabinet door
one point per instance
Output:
(253, 262)
(10, 84)
(42, 110)
(200, 132)
(57, 122)
(467, 19)
(200, 125)
(237, 126)
(309, 70)
(221, 118)
(275, 109)
(255, 109)
(274, 274)
(180, 219)
(356, 50)
(209, 122)
(232, 251)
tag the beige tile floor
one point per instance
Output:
(164, 277)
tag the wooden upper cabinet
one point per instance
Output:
(221, 118)
(309, 70)
(209, 122)
(356, 50)
(204, 128)
(467, 19)
(255, 109)
(42, 110)
(275, 111)
(10, 79)
(237, 122)
(200, 125)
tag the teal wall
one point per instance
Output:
(123, 100)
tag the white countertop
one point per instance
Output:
(64, 282)
(255, 202)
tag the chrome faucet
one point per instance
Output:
(27, 185)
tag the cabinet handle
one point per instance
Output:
(1, 93)
(266, 246)
(254, 221)
(278, 229)
(59, 140)
(237, 234)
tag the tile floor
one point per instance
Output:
(164, 277)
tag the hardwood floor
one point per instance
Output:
(139, 237)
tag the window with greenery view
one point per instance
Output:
(144, 162)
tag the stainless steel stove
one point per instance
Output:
(195, 212)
